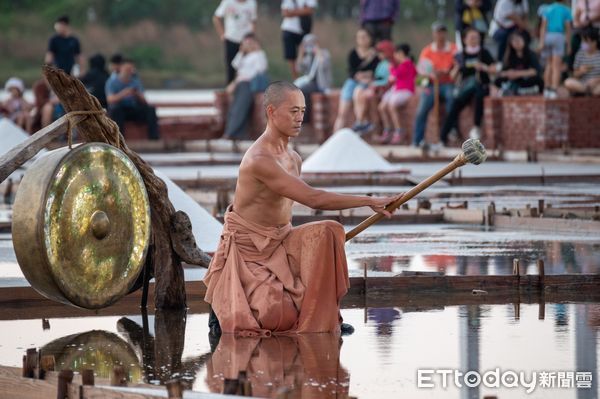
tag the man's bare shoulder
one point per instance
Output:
(295, 156)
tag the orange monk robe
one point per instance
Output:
(278, 279)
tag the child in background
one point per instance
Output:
(403, 75)
(586, 69)
(555, 36)
(15, 107)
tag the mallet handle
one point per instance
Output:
(456, 163)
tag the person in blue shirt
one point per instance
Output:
(126, 100)
(555, 38)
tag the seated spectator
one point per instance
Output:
(362, 62)
(41, 113)
(555, 35)
(586, 69)
(114, 64)
(473, 67)
(15, 107)
(126, 100)
(95, 78)
(250, 64)
(403, 74)
(472, 15)
(369, 98)
(314, 63)
(377, 17)
(521, 71)
(586, 14)
(435, 63)
(509, 15)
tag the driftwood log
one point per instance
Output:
(164, 259)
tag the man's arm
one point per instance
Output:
(218, 23)
(272, 175)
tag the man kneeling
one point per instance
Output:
(267, 276)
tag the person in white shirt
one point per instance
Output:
(296, 23)
(233, 20)
(250, 64)
(509, 15)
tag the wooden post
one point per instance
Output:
(365, 291)
(540, 207)
(541, 273)
(87, 377)
(47, 363)
(118, 378)
(174, 389)
(230, 386)
(31, 363)
(245, 385)
(65, 377)
(517, 267)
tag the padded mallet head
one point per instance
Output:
(474, 151)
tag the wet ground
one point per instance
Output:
(470, 250)
(380, 360)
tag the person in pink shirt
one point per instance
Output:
(402, 74)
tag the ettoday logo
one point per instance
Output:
(496, 378)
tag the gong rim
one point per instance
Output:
(94, 226)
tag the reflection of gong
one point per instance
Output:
(81, 225)
(98, 350)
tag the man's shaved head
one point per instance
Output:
(276, 93)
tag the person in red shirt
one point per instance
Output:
(435, 62)
(402, 74)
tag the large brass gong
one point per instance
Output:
(81, 225)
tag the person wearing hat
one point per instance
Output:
(435, 63)
(15, 107)
(64, 50)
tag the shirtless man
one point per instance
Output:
(283, 272)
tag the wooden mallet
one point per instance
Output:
(472, 152)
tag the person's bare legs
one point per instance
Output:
(395, 112)
(342, 115)
(385, 117)
(595, 87)
(548, 74)
(575, 86)
(360, 104)
(556, 71)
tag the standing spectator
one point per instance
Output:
(95, 78)
(435, 62)
(586, 72)
(403, 75)
(64, 51)
(377, 17)
(555, 35)
(473, 66)
(362, 62)
(521, 71)
(586, 13)
(473, 16)
(509, 15)
(15, 107)
(250, 64)
(297, 22)
(126, 100)
(485, 7)
(314, 63)
(233, 20)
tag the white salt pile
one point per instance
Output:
(346, 152)
(11, 135)
(206, 229)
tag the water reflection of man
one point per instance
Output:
(308, 365)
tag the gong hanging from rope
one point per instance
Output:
(81, 225)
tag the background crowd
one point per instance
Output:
(499, 48)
